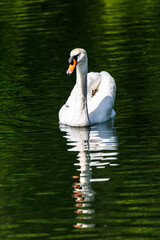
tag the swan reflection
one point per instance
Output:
(97, 147)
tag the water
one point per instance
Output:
(59, 182)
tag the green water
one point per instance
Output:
(58, 182)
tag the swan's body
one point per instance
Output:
(92, 98)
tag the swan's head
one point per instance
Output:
(78, 56)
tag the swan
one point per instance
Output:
(92, 99)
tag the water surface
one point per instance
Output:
(58, 182)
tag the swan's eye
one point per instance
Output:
(70, 60)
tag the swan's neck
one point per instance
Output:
(82, 79)
(81, 96)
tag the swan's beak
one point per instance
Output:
(72, 67)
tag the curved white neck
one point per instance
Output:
(81, 96)
(82, 79)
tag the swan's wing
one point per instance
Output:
(108, 86)
(100, 105)
(93, 82)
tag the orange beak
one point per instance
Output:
(72, 67)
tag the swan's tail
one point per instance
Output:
(113, 114)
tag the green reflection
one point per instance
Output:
(36, 37)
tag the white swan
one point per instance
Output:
(92, 98)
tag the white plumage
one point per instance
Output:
(92, 98)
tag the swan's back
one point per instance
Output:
(101, 96)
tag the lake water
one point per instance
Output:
(100, 182)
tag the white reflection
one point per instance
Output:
(96, 147)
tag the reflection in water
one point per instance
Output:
(96, 147)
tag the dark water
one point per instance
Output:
(58, 182)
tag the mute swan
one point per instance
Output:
(92, 98)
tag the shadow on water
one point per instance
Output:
(97, 146)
